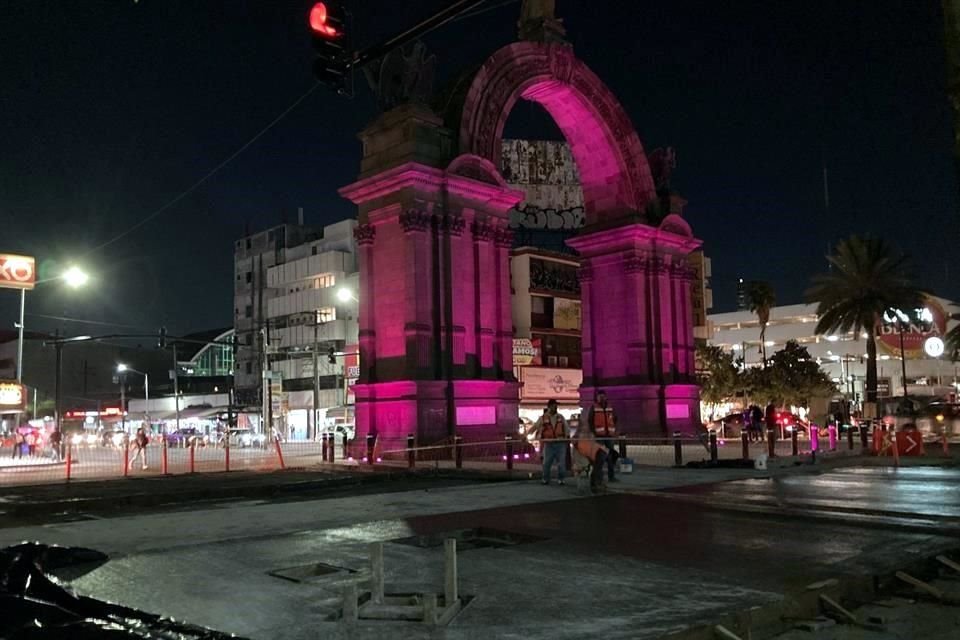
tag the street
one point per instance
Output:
(674, 548)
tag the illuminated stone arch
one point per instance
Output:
(613, 167)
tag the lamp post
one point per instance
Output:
(345, 295)
(122, 368)
(74, 277)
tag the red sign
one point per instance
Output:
(909, 443)
(918, 325)
(17, 272)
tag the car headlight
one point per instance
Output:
(76, 439)
(91, 439)
(117, 439)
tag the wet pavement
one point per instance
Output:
(618, 566)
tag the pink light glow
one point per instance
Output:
(526, 456)
(379, 459)
(504, 457)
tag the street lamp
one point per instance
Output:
(345, 295)
(122, 368)
(74, 277)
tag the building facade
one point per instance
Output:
(296, 323)
(843, 356)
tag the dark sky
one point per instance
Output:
(109, 109)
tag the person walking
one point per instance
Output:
(56, 442)
(770, 417)
(603, 425)
(552, 430)
(31, 441)
(595, 454)
(756, 423)
(140, 444)
(18, 443)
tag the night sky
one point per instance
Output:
(110, 109)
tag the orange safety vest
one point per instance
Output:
(603, 422)
(550, 431)
(588, 449)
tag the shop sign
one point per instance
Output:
(541, 383)
(919, 326)
(13, 396)
(17, 272)
(526, 352)
(883, 387)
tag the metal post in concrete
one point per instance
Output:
(371, 441)
(323, 447)
(713, 446)
(509, 447)
(745, 445)
(864, 439)
(677, 450)
(850, 438)
(451, 586)
(350, 611)
(795, 442)
(332, 448)
(411, 451)
(771, 443)
(622, 444)
(458, 451)
(376, 572)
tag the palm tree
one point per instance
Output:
(868, 278)
(760, 299)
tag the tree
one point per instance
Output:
(717, 374)
(868, 277)
(760, 299)
(792, 377)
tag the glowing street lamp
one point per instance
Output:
(74, 277)
(122, 368)
(345, 295)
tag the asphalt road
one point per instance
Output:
(631, 565)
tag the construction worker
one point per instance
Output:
(603, 425)
(552, 431)
(596, 455)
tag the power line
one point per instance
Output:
(81, 321)
(209, 175)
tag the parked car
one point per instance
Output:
(934, 420)
(185, 437)
(246, 438)
(83, 439)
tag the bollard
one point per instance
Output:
(864, 438)
(895, 449)
(126, 458)
(771, 444)
(371, 441)
(276, 442)
(325, 447)
(795, 441)
(832, 435)
(713, 446)
(164, 469)
(877, 438)
(677, 450)
(945, 444)
(411, 453)
(226, 451)
(850, 437)
(509, 445)
(193, 449)
(814, 438)
(451, 582)
(458, 451)
(332, 448)
(345, 452)
(622, 444)
(745, 444)
(69, 460)
(568, 457)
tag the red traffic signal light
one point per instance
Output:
(321, 22)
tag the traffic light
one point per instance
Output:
(162, 338)
(332, 356)
(330, 40)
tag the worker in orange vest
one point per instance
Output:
(551, 429)
(588, 447)
(603, 425)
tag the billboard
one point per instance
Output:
(13, 396)
(526, 352)
(17, 272)
(919, 325)
(542, 383)
(566, 314)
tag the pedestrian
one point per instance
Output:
(596, 456)
(603, 425)
(31, 442)
(18, 444)
(56, 441)
(756, 422)
(140, 444)
(551, 430)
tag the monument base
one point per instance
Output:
(651, 409)
(483, 410)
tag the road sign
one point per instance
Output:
(17, 272)
(910, 443)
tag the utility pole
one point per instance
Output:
(903, 359)
(316, 377)
(176, 385)
(58, 392)
(123, 402)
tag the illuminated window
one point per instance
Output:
(326, 314)
(323, 282)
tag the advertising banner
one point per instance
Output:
(17, 272)
(542, 384)
(918, 325)
(13, 397)
(526, 352)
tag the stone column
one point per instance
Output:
(585, 275)
(488, 320)
(635, 267)
(663, 310)
(503, 241)
(418, 325)
(365, 235)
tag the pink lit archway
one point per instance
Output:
(613, 168)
